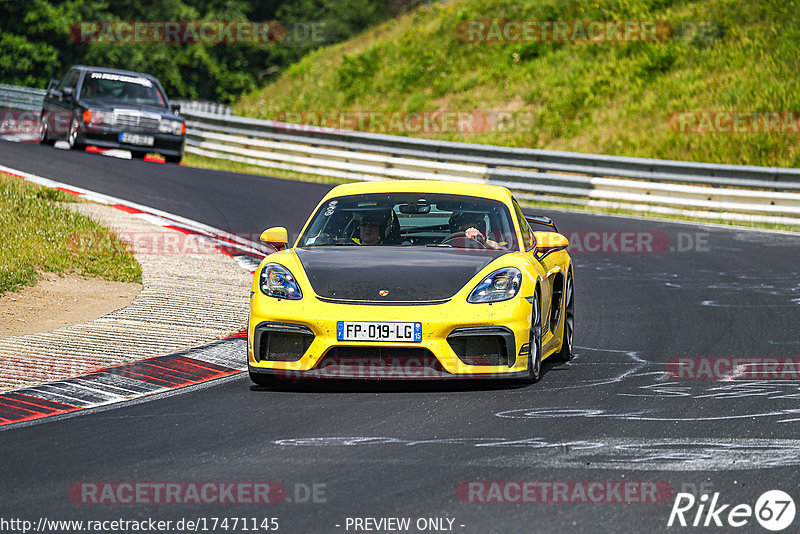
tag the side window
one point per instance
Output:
(69, 80)
(527, 236)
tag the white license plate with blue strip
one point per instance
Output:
(136, 139)
(374, 331)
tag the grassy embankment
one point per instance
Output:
(605, 97)
(38, 234)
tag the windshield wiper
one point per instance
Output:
(441, 245)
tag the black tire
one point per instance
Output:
(44, 138)
(173, 159)
(72, 135)
(264, 380)
(138, 155)
(565, 354)
(535, 342)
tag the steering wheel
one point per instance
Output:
(460, 240)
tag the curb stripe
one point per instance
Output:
(157, 374)
(217, 359)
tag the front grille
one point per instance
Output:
(136, 123)
(379, 362)
(489, 350)
(279, 343)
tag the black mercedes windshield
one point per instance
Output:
(412, 219)
(121, 88)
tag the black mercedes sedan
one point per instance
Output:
(111, 108)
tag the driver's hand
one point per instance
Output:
(474, 234)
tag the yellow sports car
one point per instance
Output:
(412, 279)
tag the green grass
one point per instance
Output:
(38, 234)
(609, 98)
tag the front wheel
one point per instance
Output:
(173, 159)
(264, 380)
(44, 138)
(565, 354)
(535, 342)
(72, 135)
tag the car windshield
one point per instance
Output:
(121, 88)
(412, 219)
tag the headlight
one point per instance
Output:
(171, 127)
(500, 285)
(99, 118)
(276, 281)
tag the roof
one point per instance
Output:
(472, 189)
(114, 71)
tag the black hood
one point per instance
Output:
(408, 274)
(105, 104)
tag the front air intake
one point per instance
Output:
(483, 345)
(276, 342)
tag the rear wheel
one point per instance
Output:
(535, 342)
(138, 155)
(173, 159)
(565, 354)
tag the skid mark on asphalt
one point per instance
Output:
(615, 453)
(640, 415)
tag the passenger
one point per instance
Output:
(473, 226)
(89, 88)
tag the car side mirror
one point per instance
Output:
(276, 237)
(548, 242)
(53, 83)
(67, 93)
(541, 220)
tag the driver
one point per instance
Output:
(372, 226)
(473, 226)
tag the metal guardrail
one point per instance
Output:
(22, 98)
(202, 107)
(726, 192)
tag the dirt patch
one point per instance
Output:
(60, 301)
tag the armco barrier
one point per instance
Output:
(724, 192)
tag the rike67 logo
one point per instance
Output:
(774, 510)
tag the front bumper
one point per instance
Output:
(164, 144)
(320, 355)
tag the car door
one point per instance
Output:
(537, 269)
(59, 103)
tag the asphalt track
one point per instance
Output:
(404, 450)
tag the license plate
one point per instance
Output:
(370, 331)
(136, 139)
